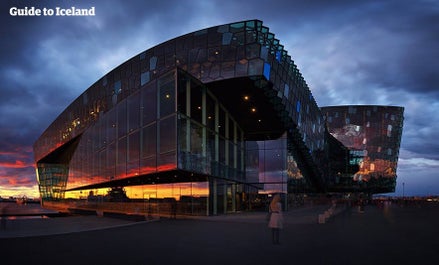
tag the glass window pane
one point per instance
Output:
(196, 139)
(121, 157)
(153, 63)
(222, 150)
(133, 146)
(181, 90)
(227, 38)
(149, 140)
(167, 95)
(133, 112)
(133, 154)
(231, 154)
(267, 69)
(231, 130)
(168, 135)
(210, 112)
(122, 119)
(167, 161)
(117, 87)
(149, 103)
(252, 51)
(148, 165)
(144, 78)
(196, 102)
(255, 67)
(222, 122)
(111, 125)
(183, 128)
(111, 162)
(228, 69)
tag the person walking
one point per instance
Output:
(276, 218)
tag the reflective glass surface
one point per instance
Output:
(373, 136)
(208, 108)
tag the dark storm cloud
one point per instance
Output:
(389, 44)
(372, 52)
(46, 62)
(350, 52)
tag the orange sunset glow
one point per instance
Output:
(17, 174)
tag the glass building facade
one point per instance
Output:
(201, 124)
(373, 136)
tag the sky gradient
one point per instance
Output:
(349, 52)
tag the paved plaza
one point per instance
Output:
(393, 235)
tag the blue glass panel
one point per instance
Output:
(144, 78)
(298, 106)
(267, 70)
(286, 90)
(278, 56)
(153, 63)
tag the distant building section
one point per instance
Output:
(373, 136)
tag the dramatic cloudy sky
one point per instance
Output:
(349, 52)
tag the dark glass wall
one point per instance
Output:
(182, 131)
(209, 140)
(121, 144)
(243, 49)
(267, 164)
